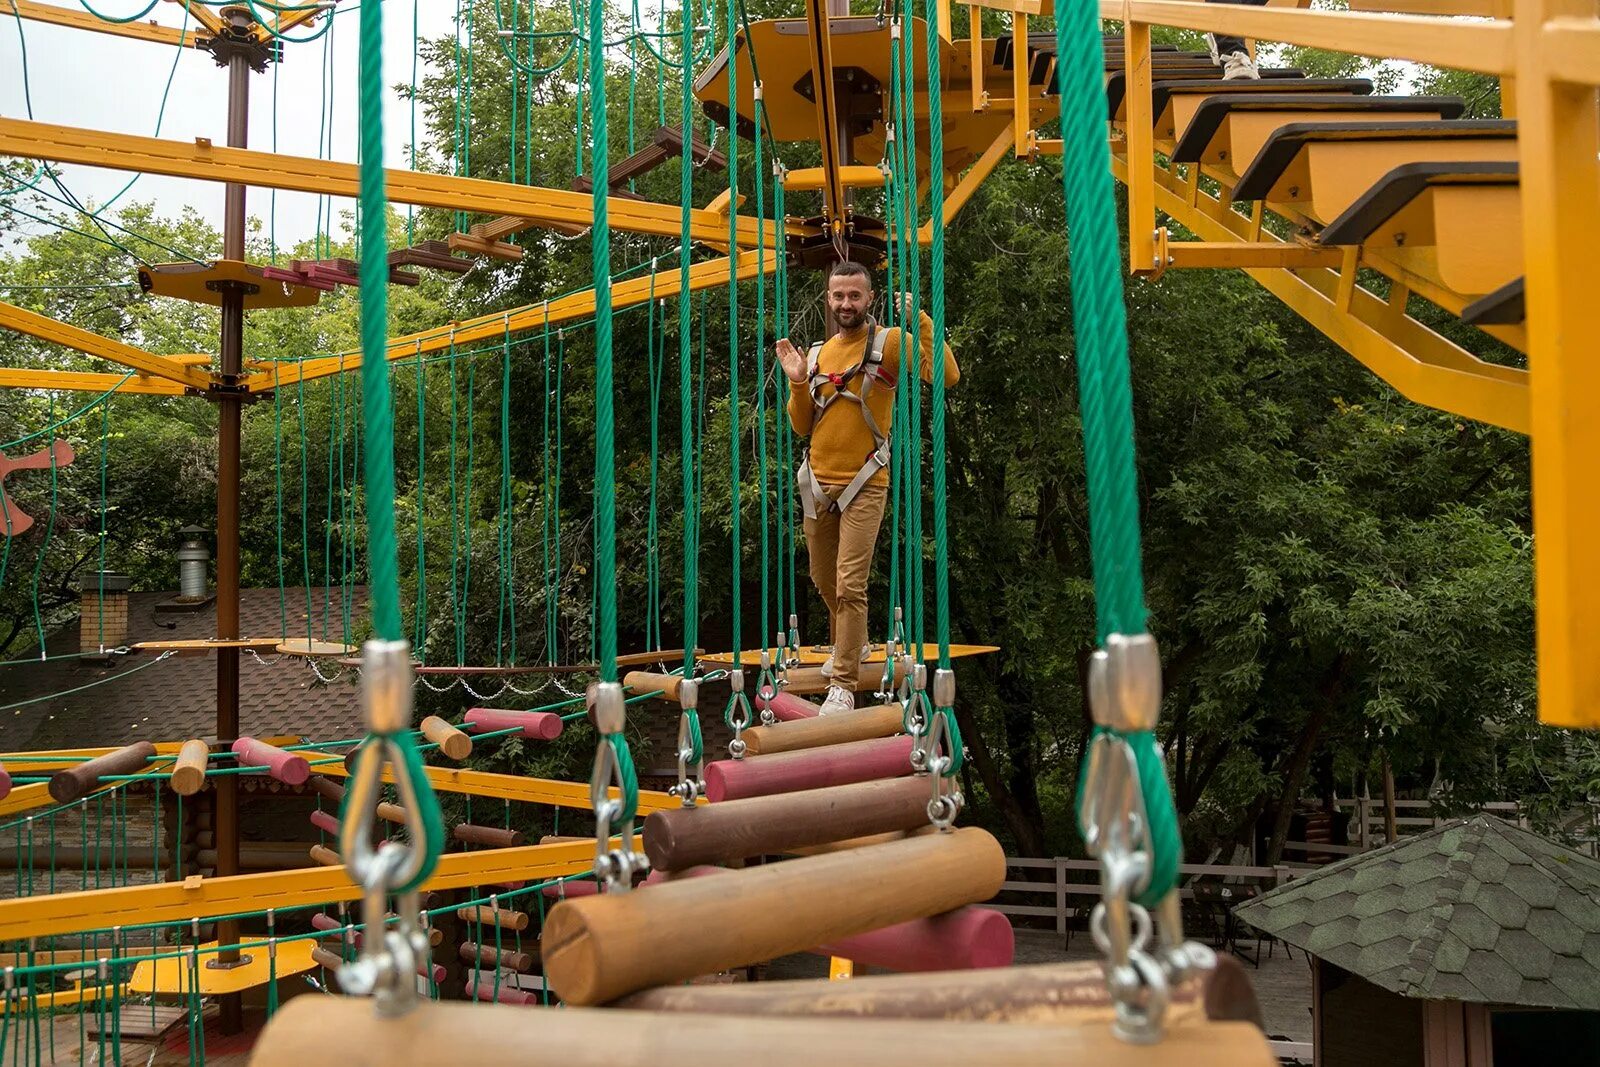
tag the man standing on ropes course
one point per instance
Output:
(841, 396)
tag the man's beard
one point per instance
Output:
(849, 318)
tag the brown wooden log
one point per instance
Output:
(1063, 994)
(506, 920)
(493, 836)
(489, 956)
(452, 742)
(663, 685)
(73, 783)
(602, 947)
(189, 772)
(676, 838)
(69, 857)
(391, 812)
(326, 788)
(863, 725)
(346, 1032)
(262, 855)
(854, 842)
(325, 856)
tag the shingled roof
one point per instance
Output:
(1477, 910)
(176, 699)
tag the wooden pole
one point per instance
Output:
(451, 741)
(538, 725)
(812, 768)
(786, 706)
(492, 958)
(290, 768)
(493, 836)
(346, 1032)
(863, 725)
(602, 947)
(737, 829)
(73, 783)
(663, 685)
(1390, 831)
(1062, 994)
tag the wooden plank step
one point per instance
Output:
(1117, 82)
(1173, 103)
(1215, 118)
(1327, 166)
(136, 1021)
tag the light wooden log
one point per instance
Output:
(189, 772)
(863, 725)
(812, 768)
(856, 842)
(505, 919)
(602, 947)
(290, 768)
(261, 856)
(493, 836)
(73, 783)
(391, 812)
(327, 857)
(502, 958)
(346, 1032)
(663, 685)
(1063, 994)
(451, 741)
(675, 838)
(969, 938)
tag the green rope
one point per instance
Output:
(691, 561)
(1106, 398)
(378, 414)
(605, 518)
(734, 478)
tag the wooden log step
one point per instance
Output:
(814, 768)
(787, 706)
(538, 725)
(501, 917)
(500, 959)
(969, 938)
(452, 742)
(492, 836)
(814, 732)
(74, 783)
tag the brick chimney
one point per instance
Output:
(103, 619)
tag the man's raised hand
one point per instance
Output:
(793, 360)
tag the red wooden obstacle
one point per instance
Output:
(540, 725)
(965, 939)
(786, 706)
(13, 520)
(811, 768)
(290, 768)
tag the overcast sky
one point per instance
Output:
(111, 83)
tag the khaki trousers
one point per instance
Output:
(841, 548)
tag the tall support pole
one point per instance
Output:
(238, 51)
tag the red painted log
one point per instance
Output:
(786, 706)
(812, 768)
(5, 783)
(539, 725)
(330, 960)
(482, 988)
(965, 939)
(325, 822)
(290, 768)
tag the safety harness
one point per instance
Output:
(814, 500)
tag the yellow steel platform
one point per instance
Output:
(203, 283)
(176, 976)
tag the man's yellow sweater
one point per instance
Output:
(840, 440)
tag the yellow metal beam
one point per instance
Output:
(78, 19)
(204, 16)
(1025, 7)
(60, 333)
(570, 308)
(1226, 255)
(1480, 46)
(857, 176)
(1420, 364)
(289, 18)
(87, 382)
(508, 786)
(1571, 50)
(204, 898)
(1558, 133)
(267, 170)
(975, 176)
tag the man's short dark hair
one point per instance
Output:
(849, 268)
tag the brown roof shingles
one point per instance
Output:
(176, 699)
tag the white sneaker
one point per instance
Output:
(827, 667)
(839, 699)
(1237, 66)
